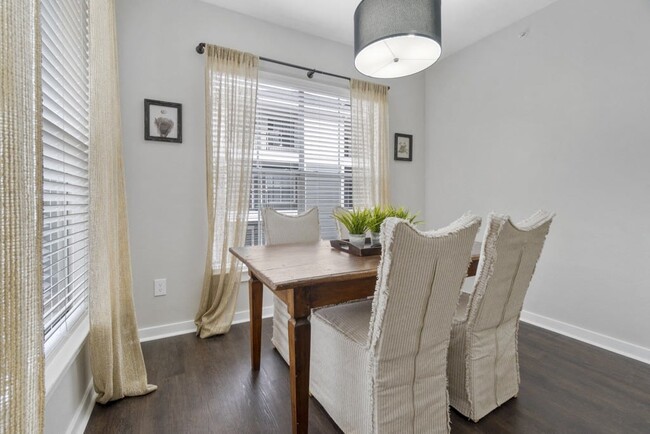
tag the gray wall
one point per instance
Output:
(166, 182)
(558, 119)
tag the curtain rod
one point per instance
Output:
(310, 71)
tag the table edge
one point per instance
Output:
(253, 271)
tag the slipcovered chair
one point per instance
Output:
(284, 229)
(342, 230)
(380, 365)
(483, 367)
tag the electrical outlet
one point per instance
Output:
(159, 287)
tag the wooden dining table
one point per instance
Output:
(304, 277)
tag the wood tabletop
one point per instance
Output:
(285, 266)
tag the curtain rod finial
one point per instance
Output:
(200, 48)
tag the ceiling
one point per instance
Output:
(463, 21)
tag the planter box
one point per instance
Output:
(347, 247)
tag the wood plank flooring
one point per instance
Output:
(206, 386)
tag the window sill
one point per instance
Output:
(57, 364)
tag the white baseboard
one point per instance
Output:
(618, 346)
(244, 315)
(184, 327)
(593, 338)
(166, 330)
(85, 409)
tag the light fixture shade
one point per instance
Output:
(396, 38)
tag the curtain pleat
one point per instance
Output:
(369, 148)
(115, 353)
(231, 98)
(21, 202)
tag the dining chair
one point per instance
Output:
(483, 366)
(342, 230)
(285, 229)
(380, 365)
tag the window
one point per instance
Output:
(301, 156)
(65, 79)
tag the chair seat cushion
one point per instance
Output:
(339, 364)
(350, 319)
(280, 338)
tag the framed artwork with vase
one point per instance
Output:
(163, 121)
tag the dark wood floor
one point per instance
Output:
(206, 386)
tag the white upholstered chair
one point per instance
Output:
(342, 230)
(380, 366)
(284, 229)
(483, 367)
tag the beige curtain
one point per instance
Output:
(370, 150)
(21, 202)
(231, 97)
(116, 357)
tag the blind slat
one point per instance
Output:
(48, 268)
(67, 302)
(82, 241)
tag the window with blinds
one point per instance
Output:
(64, 25)
(301, 157)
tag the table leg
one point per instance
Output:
(299, 348)
(255, 305)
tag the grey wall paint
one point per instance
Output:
(559, 119)
(166, 182)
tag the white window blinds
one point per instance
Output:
(301, 157)
(65, 79)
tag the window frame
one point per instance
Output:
(65, 82)
(255, 224)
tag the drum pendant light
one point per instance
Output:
(396, 38)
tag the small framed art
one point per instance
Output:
(403, 147)
(163, 121)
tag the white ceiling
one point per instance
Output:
(463, 21)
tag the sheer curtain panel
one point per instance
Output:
(369, 106)
(115, 354)
(21, 311)
(231, 96)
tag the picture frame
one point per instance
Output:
(163, 121)
(403, 147)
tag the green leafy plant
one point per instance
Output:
(355, 221)
(401, 213)
(376, 217)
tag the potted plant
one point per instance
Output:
(356, 222)
(401, 213)
(376, 217)
(378, 214)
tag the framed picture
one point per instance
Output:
(403, 147)
(163, 121)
